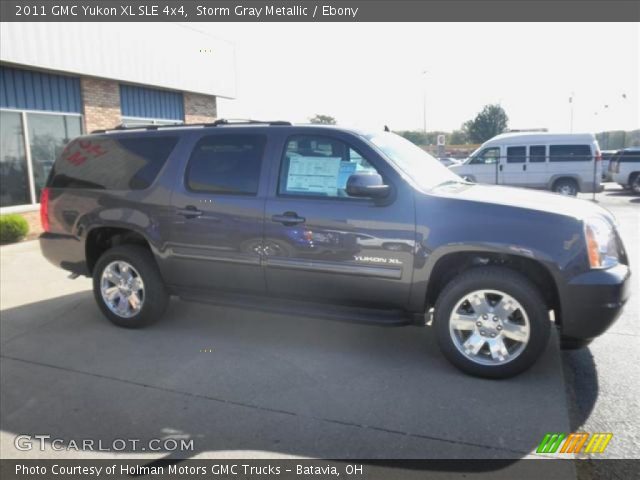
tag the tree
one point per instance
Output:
(491, 121)
(414, 136)
(323, 120)
(419, 137)
(458, 137)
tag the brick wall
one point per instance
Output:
(199, 108)
(101, 103)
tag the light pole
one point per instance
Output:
(424, 102)
(571, 112)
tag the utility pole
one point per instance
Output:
(424, 102)
(571, 113)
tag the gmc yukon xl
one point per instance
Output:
(328, 221)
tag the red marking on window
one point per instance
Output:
(76, 158)
(93, 148)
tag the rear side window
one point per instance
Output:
(516, 154)
(570, 153)
(627, 157)
(537, 153)
(130, 163)
(226, 164)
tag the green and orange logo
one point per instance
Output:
(574, 443)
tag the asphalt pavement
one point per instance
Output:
(603, 381)
(244, 384)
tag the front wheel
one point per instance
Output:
(491, 322)
(128, 287)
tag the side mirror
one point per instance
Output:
(367, 185)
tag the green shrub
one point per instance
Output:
(12, 228)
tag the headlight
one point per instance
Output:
(601, 243)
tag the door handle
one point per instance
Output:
(500, 167)
(524, 167)
(189, 212)
(288, 218)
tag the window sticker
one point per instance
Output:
(346, 170)
(314, 175)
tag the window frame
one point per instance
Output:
(198, 140)
(144, 121)
(322, 197)
(34, 202)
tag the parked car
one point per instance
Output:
(562, 163)
(448, 161)
(606, 159)
(336, 222)
(624, 168)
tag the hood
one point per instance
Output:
(461, 163)
(528, 199)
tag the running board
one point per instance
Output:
(341, 313)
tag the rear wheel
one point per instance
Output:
(128, 288)
(491, 322)
(634, 183)
(566, 186)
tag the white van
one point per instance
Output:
(564, 163)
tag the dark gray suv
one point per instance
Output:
(334, 222)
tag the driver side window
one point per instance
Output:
(488, 156)
(319, 166)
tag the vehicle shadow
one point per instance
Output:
(581, 376)
(260, 384)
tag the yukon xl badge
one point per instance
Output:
(391, 261)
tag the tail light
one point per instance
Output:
(598, 156)
(44, 208)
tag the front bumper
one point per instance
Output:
(593, 301)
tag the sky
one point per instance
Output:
(367, 75)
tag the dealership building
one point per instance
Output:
(60, 80)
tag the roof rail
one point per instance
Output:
(217, 123)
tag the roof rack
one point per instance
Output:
(217, 123)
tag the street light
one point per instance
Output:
(424, 102)
(571, 116)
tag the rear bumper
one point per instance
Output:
(593, 301)
(64, 251)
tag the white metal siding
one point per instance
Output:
(164, 55)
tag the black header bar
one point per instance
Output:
(320, 11)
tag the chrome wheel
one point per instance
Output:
(122, 289)
(566, 190)
(489, 327)
(566, 187)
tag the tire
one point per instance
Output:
(130, 262)
(569, 343)
(634, 183)
(511, 288)
(566, 186)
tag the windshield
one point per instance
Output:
(425, 170)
